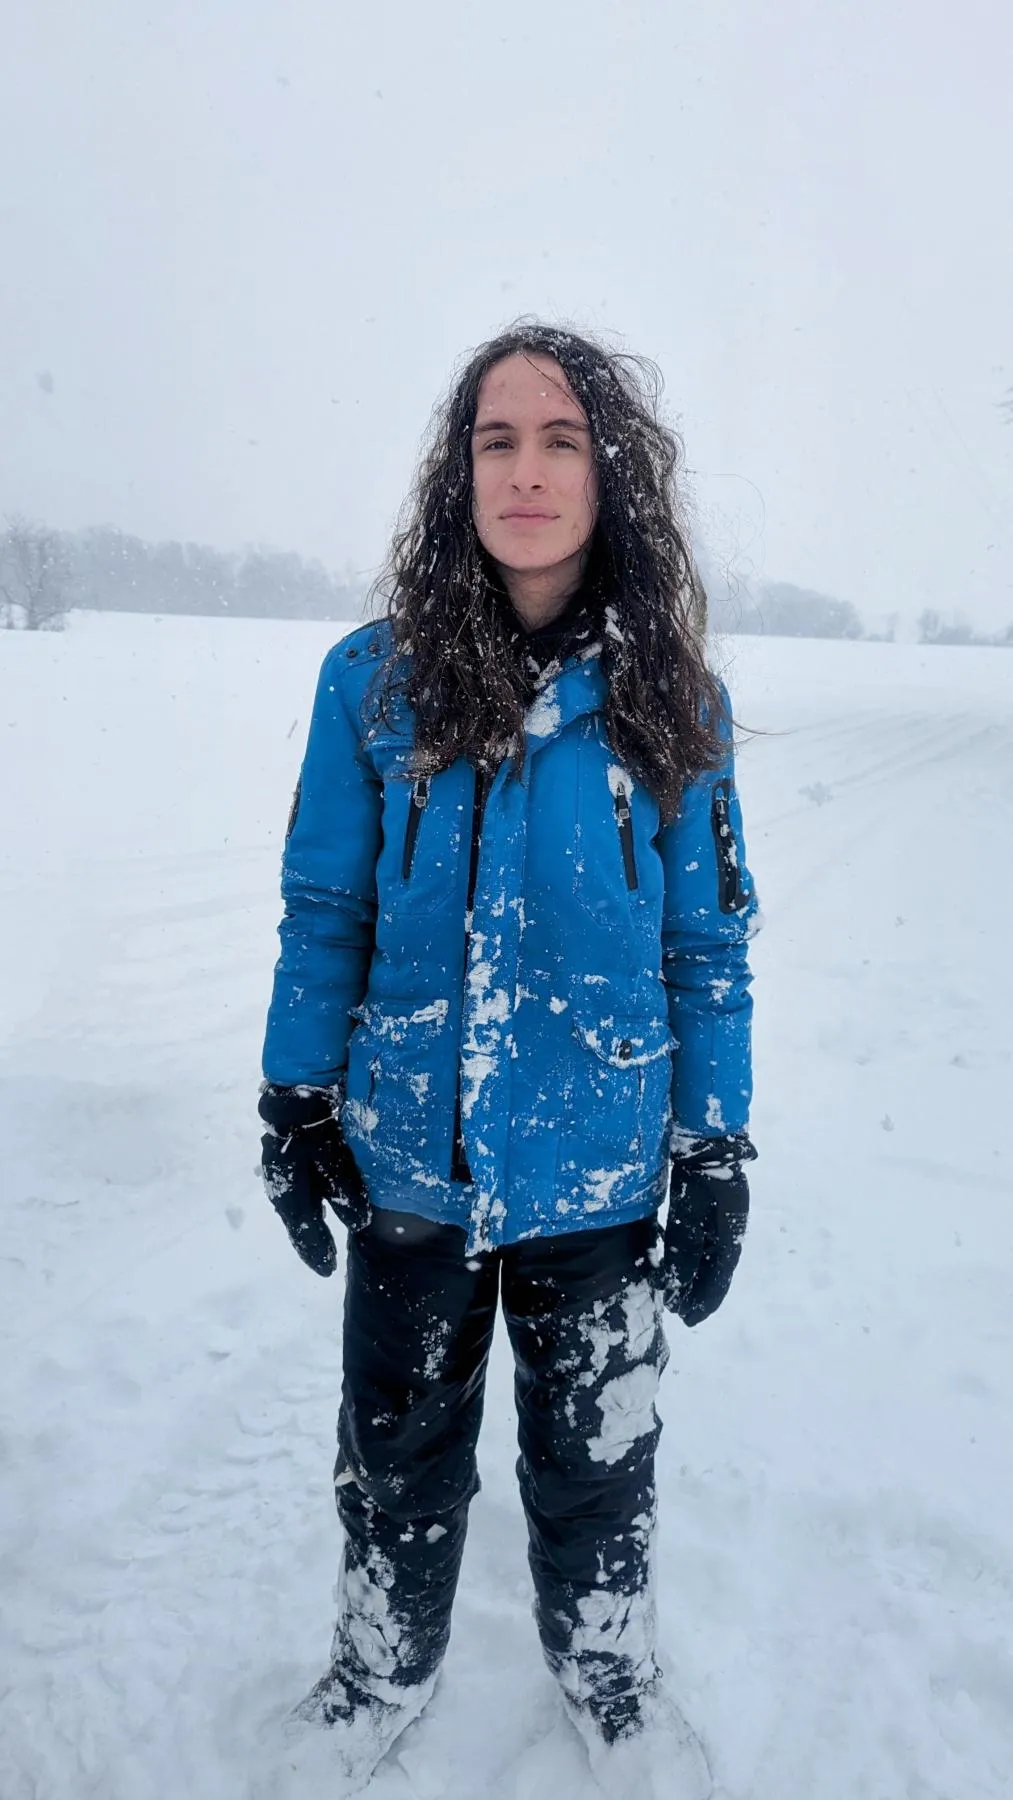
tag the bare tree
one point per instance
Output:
(35, 577)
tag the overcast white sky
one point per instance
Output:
(244, 243)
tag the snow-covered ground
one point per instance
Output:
(835, 1555)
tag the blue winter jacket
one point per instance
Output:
(596, 999)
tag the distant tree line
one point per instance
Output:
(45, 574)
(782, 610)
(934, 629)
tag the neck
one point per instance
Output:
(539, 595)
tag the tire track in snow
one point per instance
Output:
(904, 759)
(893, 797)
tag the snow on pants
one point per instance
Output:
(584, 1319)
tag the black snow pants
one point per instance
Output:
(584, 1319)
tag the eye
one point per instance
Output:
(563, 443)
(496, 444)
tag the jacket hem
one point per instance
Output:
(459, 1212)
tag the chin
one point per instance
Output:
(523, 559)
(531, 565)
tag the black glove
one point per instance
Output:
(306, 1161)
(708, 1206)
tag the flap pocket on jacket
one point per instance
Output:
(623, 1043)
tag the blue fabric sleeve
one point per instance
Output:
(710, 914)
(329, 889)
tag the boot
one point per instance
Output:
(640, 1744)
(361, 1727)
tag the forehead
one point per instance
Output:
(528, 383)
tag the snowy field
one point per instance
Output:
(835, 1562)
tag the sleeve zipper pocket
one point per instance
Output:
(293, 812)
(624, 820)
(732, 896)
(416, 807)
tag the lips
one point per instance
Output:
(530, 518)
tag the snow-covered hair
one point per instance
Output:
(454, 659)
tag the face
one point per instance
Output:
(535, 491)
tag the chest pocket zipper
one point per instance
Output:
(416, 807)
(732, 896)
(624, 820)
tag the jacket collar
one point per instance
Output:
(577, 690)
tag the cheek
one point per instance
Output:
(479, 502)
(483, 486)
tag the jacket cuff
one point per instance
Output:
(289, 1108)
(692, 1152)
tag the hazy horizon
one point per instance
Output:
(244, 252)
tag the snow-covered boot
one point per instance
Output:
(640, 1745)
(360, 1727)
(391, 1630)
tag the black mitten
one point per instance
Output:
(708, 1208)
(305, 1162)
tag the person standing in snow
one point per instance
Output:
(510, 1020)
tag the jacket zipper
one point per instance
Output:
(459, 1170)
(731, 893)
(416, 807)
(624, 819)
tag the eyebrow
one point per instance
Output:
(550, 425)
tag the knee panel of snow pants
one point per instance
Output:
(584, 1314)
(418, 1327)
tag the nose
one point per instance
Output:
(528, 473)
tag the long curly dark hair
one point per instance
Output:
(454, 636)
